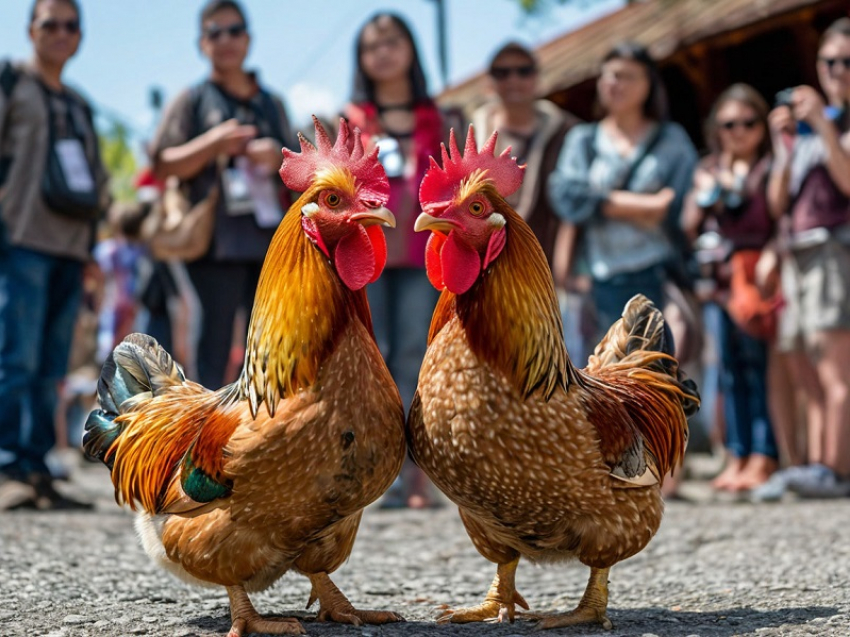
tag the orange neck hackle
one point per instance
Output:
(299, 311)
(511, 313)
(301, 305)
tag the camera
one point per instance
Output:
(783, 97)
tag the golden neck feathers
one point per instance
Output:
(511, 314)
(300, 309)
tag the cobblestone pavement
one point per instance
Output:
(715, 569)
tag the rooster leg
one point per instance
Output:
(246, 620)
(591, 609)
(499, 605)
(335, 607)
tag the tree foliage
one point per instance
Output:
(118, 158)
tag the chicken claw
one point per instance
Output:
(494, 607)
(578, 616)
(335, 607)
(277, 626)
(246, 620)
(591, 609)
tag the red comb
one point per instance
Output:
(440, 184)
(299, 170)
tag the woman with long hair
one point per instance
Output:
(391, 106)
(623, 181)
(730, 197)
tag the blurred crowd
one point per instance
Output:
(745, 244)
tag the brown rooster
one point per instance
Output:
(544, 461)
(271, 473)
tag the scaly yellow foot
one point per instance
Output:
(335, 607)
(591, 609)
(246, 620)
(499, 605)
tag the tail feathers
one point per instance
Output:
(641, 328)
(137, 370)
(642, 339)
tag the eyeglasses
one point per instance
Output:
(51, 26)
(390, 42)
(832, 62)
(504, 72)
(214, 32)
(621, 77)
(732, 124)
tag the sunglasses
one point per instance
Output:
(832, 62)
(51, 26)
(214, 32)
(732, 124)
(504, 72)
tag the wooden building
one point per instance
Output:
(702, 47)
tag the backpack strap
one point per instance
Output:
(271, 113)
(648, 147)
(590, 144)
(9, 77)
(196, 95)
(651, 143)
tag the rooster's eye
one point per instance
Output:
(476, 208)
(333, 200)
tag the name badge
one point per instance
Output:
(390, 156)
(237, 196)
(75, 166)
(267, 211)
(252, 191)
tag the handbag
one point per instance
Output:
(177, 230)
(752, 311)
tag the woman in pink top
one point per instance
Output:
(391, 106)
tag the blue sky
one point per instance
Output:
(303, 49)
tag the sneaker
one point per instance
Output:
(819, 482)
(779, 483)
(49, 499)
(15, 494)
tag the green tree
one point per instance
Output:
(118, 157)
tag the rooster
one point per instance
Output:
(271, 473)
(544, 461)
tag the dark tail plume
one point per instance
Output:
(136, 371)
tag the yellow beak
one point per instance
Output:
(377, 216)
(427, 222)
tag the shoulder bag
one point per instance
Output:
(69, 182)
(177, 230)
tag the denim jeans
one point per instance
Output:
(743, 382)
(402, 302)
(39, 298)
(611, 295)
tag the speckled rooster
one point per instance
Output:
(544, 461)
(271, 473)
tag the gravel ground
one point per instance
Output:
(715, 569)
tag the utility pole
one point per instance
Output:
(441, 41)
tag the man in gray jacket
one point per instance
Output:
(52, 191)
